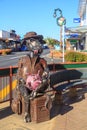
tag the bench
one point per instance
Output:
(59, 82)
(67, 79)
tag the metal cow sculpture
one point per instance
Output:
(33, 74)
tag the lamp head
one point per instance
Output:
(54, 15)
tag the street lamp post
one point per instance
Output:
(61, 21)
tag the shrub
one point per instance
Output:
(85, 57)
(75, 57)
(5, 51)
(70, 56)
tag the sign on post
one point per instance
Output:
(76, 20)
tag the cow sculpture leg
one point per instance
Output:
(27, 112)
(26, 95)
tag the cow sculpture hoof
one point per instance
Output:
(27, 118)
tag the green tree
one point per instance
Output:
(51, 41)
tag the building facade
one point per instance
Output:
(10, 35)
(79, 33)
(82, 10)
(4, 34)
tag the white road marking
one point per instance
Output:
(17, 57)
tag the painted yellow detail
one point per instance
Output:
(5, 91)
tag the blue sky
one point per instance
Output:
(36, 15)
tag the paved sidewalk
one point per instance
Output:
(70, 116)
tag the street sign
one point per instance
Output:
(76, 20)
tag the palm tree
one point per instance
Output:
(51, 41)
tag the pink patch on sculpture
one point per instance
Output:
(33, 81)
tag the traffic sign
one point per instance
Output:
(76, 20)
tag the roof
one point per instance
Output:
(78, 29)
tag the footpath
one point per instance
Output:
(72, 115)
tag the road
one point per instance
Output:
(12, 59)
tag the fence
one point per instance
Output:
(7, 83)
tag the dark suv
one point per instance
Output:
(14, 45)
(3, 45)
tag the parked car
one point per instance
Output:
(4, 48)
(45, 46)
(14, 45)
(23, 46)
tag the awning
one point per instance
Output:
(78, 29)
